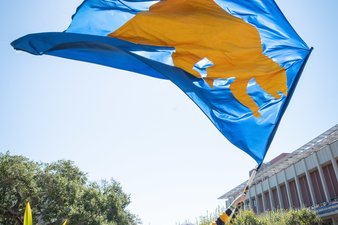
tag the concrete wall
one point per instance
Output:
(328, 154)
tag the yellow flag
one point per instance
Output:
(28, 220)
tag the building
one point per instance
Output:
(306, 177)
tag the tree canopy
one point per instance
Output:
(59, 191)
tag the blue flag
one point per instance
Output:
(239, 61)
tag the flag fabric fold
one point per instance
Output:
(239, 61)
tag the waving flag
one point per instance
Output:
(239, 61)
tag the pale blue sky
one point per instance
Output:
(141, 131)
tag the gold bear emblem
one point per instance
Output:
(199, 29)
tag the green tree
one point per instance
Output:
(18, 184)
(59, 191)
(62, 185)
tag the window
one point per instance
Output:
(267, 201)
(294, 194)
(275, 200)
(260, 204)
(284, 196)
(305, 191)
(317, 187)
(331, 181)
(247, 204)
(254, 205)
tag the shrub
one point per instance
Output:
(280, 217)
(249, 218)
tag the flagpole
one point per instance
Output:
(233, 210)
(245, 191)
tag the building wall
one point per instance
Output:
(307, 177)
(310, 182)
